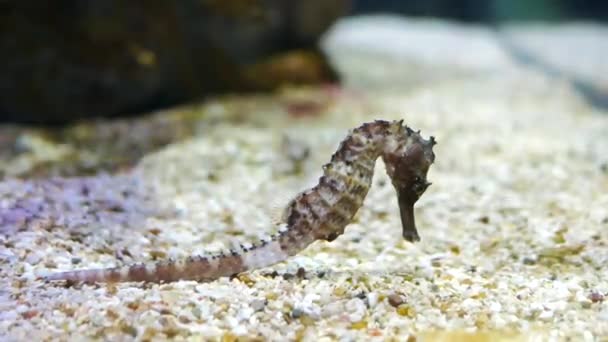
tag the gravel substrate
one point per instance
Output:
(514, 228)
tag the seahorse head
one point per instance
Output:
(408, 157)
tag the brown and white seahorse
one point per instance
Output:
(319, 213)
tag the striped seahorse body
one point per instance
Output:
(319, 213)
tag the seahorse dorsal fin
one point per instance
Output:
(279, 207)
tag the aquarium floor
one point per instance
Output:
(514, 228)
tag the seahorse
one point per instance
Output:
(319, 213)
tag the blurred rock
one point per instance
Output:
(433, 50)
(69, 59)
(574, 51)
(437, 50)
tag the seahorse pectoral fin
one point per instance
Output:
(408, 223)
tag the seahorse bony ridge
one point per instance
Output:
(319, 213)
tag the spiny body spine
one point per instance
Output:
(320, 213)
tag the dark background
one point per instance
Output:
(491, 11)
